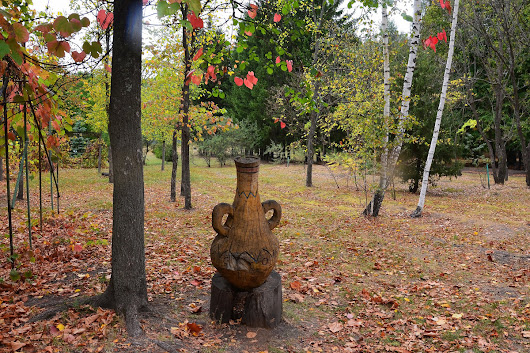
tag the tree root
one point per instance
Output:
(417, 212)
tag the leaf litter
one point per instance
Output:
(443, 282)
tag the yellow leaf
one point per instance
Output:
(60, 327)
(457, 316)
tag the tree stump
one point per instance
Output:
(258, 307)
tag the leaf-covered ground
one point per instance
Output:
(455, 280)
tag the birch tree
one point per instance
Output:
(434, 140)
(388, 165)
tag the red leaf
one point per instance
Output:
(277, 17)
(21, 33)
(105, 18)
(278, 60)
(107, 67)
(442, 4)
(253, 11)
(282, 125)
(144, 2)
(195, 282)
(199, 54)
(11, 136)
(196, 22)
(247, 83)
(250, 80)
(442, 36)
(289, 65)
(78, 247)
(194, 328)
(448, 6)
(296, 285)
(211, 72)
(238, 81)
(196, 79)
(248, 33)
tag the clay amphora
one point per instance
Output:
(245, 250)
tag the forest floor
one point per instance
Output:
(455, 280)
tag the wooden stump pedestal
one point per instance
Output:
(258, 307)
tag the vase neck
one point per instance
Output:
(247, 182)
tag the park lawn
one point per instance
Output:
(454, 280)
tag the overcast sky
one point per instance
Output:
(64, 7)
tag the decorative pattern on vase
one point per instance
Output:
(245, 250)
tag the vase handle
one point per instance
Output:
(217, 218)
(276, 216)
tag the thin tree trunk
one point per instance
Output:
(387, 170)
(316, 97)
(127, 290)
(434, 140)
(175, 161)
(1, 169)
(20, 193)
(163, 154)
(111, 166)
(185, 107)
(99, 157)
(310, 151)
(107, 105)
(386, 93)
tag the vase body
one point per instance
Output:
(245, 250)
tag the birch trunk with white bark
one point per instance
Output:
(387, 169)
(436, 131)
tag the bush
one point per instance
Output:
(157, 150)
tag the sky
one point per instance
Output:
(64, 5)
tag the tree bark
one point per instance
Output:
(100, 147)
(175, 161)
(20, 192)
(387, 169)
(310, 152)
(107, 94)
(316, 98)
(1, 169)
(439, 113)
(111, 166)
(127, 290)
(185, 107)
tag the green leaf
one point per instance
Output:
(16, 57)
(4, 49)
(471, 123)
(14, 275)
(270, 71)
(222, 95)
(407, 17)
(239, 49)
(162, 9)
(186, 24)
(195, 6)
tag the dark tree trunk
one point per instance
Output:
(99, 157)
(310, 150)
(127, 290)
(1, 169)
(185, 181)
(175, 159)
(111, 166)
(374, 206)
(163, 154)
(20, 193)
